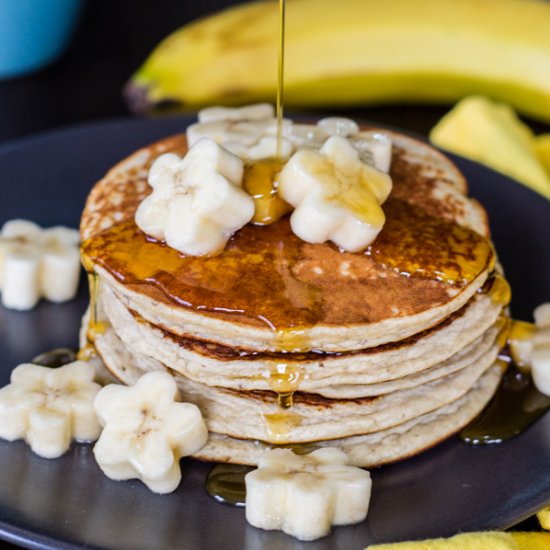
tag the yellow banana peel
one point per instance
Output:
(351, 52)
(542, 149)
(491, 133)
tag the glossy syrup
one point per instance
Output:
(497, 288)
(281, 77)
(415, 244)
(514, 407)
(225, 483)
(264, 273)
(260, 181)
(95, 327)
(284, 380)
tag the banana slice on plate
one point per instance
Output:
(530, 347)
(147, 431)
(48, 407)
(305, 495)
(36, 262)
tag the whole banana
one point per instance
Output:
(352, 52)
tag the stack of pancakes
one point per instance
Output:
(381, 353)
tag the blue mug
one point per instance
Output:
(34, 33)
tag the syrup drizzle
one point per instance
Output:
(260, 181)
(95, 327)
(280, 77)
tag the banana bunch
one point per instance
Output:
(356, 52)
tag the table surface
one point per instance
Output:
(109, 44)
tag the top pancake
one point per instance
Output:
(270, 291)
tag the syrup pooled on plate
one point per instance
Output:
(225, 483)
(516, 404)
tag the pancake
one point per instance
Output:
(377, 449)
(381, 353)
(269, 291)
(419, 359)
(382, 445)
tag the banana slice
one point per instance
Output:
(146, 431)
(48, 407)
(305, 495)
(338, 126)
(374, 147)
(258, 111)
(250, 133)
(336, 195)
(197, 202)
(530, 348)
(540, 355)
(36, 262)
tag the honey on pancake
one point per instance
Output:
(260, 181)
(498, 288)
(285, 376)
(252, 277)
(280, 423)
(257, 276)
(415, 244)
(95, 328)
(284, 379)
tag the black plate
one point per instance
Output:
(68, 503)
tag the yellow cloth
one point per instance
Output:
(531, 541)
(466, 541)
(490, 540)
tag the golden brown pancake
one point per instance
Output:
(268, 290)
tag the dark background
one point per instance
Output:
(112, 39)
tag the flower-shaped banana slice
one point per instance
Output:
(197, 202)
(530, 347)
(257, 111)
(146, 431)
(36, 262)
(540, 356)
(49, 407)
(235, 128)
(305, 495)
(374, 147)
(336, 196)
